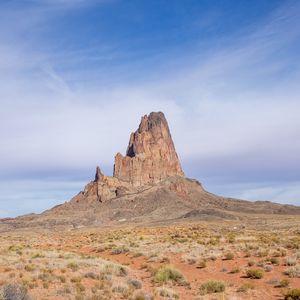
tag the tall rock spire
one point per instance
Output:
(150, 155)
(99, 175)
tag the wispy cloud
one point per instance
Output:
(279, 192)
(232, 106)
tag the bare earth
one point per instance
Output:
(126, 261)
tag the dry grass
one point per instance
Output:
(164, 262)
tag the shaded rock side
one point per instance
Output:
(151, 155)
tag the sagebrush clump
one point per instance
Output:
(212, 286)
(255, 273)
(168, 273)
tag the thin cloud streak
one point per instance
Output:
(286, 193)
(233, 103)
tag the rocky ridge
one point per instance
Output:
(148, 186)
(150, 158)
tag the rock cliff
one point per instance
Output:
(150, 158)
(150, 155)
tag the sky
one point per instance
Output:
(77, 75)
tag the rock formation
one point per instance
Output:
(99, 175)
(148, 185)
(150, 158)
(150, 155)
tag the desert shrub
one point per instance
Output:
(274, 261)
(166, 292)
(213, 258)
(114, 269)
(247, 254)
(262, 253)
(168, 273)
(251, 263)
(283, 252)
(260, 263)
(91, 275)
(29, 268)
(62, 278)
(235, 270)
(276, 254)
(251, 246)
(231, 238)
(73, 266)
(119, 250)
(45, 285)
(245, 287)
(79, 287)
(75, 279)
(139, 297)
(254, 273)
(137, 254)
(268, 268)
(212, 286)
(44, 276)
(79, 297)
(165, 260)
(49, 271)
(201, 264)
(279, 252)
(135, 283)
(284, 283)
(121, 288)
(15, 248)
(182, 240)
(213, 241)
(191, 260)
(292, 244)
(293, 294)
(142, 296)
(66, 290)
(31, 285)
(15, 292)
(229, 256)
(291, 261)
(37, 255)
(293, 272)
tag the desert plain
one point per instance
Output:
(148, 232)
(258, 258)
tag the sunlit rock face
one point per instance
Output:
(151, 155)
(150, 159)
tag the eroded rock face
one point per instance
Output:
(150, 158)
(99, 175)
(150, 155)
(104, 188)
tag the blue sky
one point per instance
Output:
(75, 77)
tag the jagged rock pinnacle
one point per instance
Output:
(99, 175)
(150, 155)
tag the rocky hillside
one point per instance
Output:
(148, 185)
